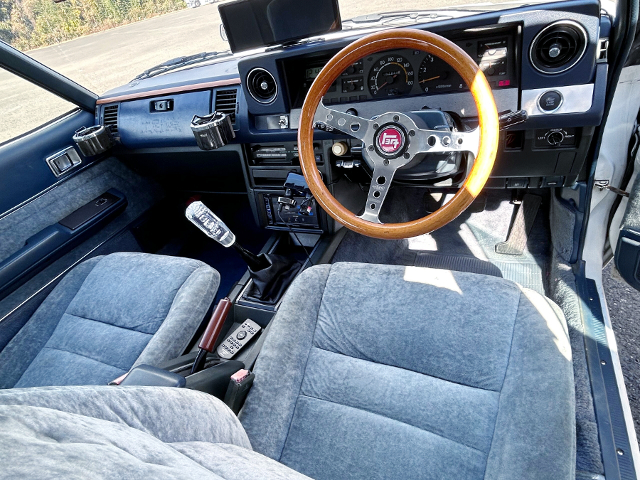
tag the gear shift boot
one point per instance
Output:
(270, 283)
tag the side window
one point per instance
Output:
(25, 106)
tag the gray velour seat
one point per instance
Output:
(368, 372)
(389, 372)
(107, 315)
(91, 432)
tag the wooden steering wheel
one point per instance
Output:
(393, 139)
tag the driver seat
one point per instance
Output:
(389, 372)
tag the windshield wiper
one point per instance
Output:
(417, 16)
(180, 62)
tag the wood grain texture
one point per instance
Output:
(211, 334)
(488, 121)
(169, 91)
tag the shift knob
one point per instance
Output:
(203, 218)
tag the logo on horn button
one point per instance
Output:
(390, 140)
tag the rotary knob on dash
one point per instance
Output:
(339, 148)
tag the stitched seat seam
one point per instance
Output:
(485, 454)
(109, 324)
(304, 371)
(406, 370)
(85, 356)
(506, 370)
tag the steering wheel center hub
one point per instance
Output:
(390, 141)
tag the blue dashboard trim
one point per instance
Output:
(139, 126)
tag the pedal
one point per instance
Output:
(238, 339)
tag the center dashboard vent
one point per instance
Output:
(226, 101)
(558, 47)
(110, 117)
(262, 85)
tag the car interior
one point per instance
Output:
(366, 253)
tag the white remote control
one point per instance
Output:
(238, 339)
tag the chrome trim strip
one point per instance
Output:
(575, 99)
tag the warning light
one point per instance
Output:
(504, 83)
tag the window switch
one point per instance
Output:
(62, 163)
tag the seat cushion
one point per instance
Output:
(405, 372)
(107, 315)
(126, 432)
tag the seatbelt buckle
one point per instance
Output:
(238, 389)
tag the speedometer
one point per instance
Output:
(391, 75)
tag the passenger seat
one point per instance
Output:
(108, 314)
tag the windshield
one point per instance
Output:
(102, 44)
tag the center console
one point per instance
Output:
(268, 166)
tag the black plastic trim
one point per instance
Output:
(612, 430)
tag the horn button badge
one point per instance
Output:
(390, 141)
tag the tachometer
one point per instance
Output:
(390, 76)
(434, 75)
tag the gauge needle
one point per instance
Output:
(387, 82)
(429, 79)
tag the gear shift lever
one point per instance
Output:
(207, 221)
(271, 274)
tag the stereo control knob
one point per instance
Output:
(554, 137)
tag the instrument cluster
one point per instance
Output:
(400, 73)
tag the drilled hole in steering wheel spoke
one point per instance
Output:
(432, 140)
(381, 180)
(376, 194)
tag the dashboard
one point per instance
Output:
(547, 59)
(404, 73)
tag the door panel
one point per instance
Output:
(24, 171)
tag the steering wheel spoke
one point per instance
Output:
(393, 140)
(438, 141)
(380, 183)
(352, 125)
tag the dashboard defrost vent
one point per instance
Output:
(262, 85)
(558, 47)
(110, 117)
(226, 103)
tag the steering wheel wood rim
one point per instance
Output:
(488, 125)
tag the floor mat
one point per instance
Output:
(457, 263)
(467, 244)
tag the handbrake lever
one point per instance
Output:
(211, 334)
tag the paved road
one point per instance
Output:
(108, 59)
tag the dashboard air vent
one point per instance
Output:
(558, 47)
(110, 117)
(226, 103)
(262, 86)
